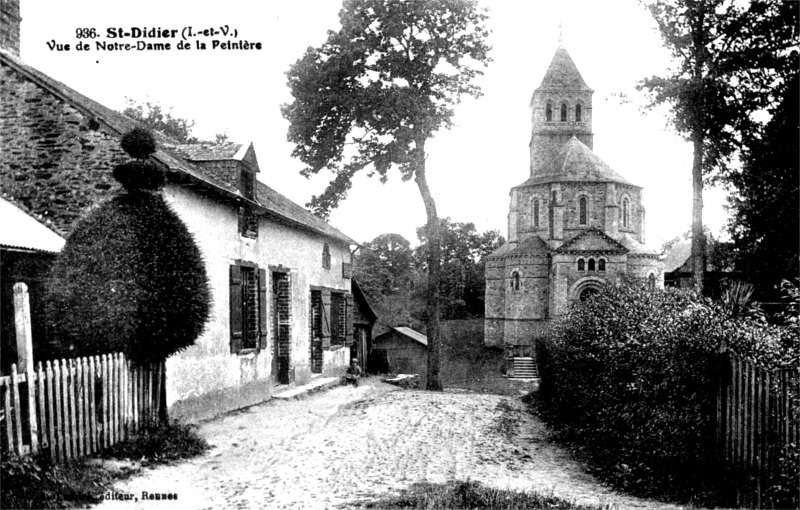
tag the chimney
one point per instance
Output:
(9, 26)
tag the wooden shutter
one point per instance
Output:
(262, 308)
(349, 333)
(236, 318)
(326, 318)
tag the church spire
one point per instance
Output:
(563, 74)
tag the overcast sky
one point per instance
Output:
(471, 167)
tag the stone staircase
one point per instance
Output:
(525, 368)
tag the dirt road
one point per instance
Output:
(338, 447)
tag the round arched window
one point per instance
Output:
(548, 111)
(578, 113)
(563, 112)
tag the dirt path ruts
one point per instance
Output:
(346, 444)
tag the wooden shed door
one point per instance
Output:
(360, 349)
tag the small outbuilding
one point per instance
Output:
(27, 250)
(400, 350)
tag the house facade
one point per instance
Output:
(573, 226)
(282, 307)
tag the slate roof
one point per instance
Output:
(575, 162)
(593, 239)
(563, 74)
(177, 158)
(20, 230)
(635, 247)
(531, 245)
(414, 335)
(208, 151)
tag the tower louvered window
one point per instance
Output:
(548, 112)
(535, 213)
(563, 112)
(578, 113)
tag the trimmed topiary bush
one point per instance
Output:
(130, 278)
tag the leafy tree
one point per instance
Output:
(731, 58)
(384, 269)
(153, 117)
(765, 225)
(462, 284)
(373, 95)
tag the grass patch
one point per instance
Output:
(160, 445)
(37, 482)
(507, 424)
(470, 494)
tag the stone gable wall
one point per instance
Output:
(55, 161)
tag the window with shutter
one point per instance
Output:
(236, 322)
(325, 294)
(262, 308)
(338, 319)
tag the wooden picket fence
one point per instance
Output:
(757, 425)
(76, 407)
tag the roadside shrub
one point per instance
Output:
(630, 377)
(130, 277)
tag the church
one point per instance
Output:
(573, 226)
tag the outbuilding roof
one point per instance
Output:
(410, 333)
(575, 162)
(20, 230)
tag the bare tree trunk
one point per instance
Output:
(699, 34)
(698, 236)
(434, 263)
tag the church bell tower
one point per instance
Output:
(560, 108)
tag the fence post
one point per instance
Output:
(22, 322)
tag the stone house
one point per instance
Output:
(574, 225)
(282, 306)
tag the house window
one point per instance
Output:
(248, 222)
(563, 112)
(548, 111)
(515, 280)
(581, 265)
(582, 204)
(248, 308)
(535, 213)
(316, 320)
(578, 116)
(601, 265)
(625, 213)
(591, 264)
(326, 257)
